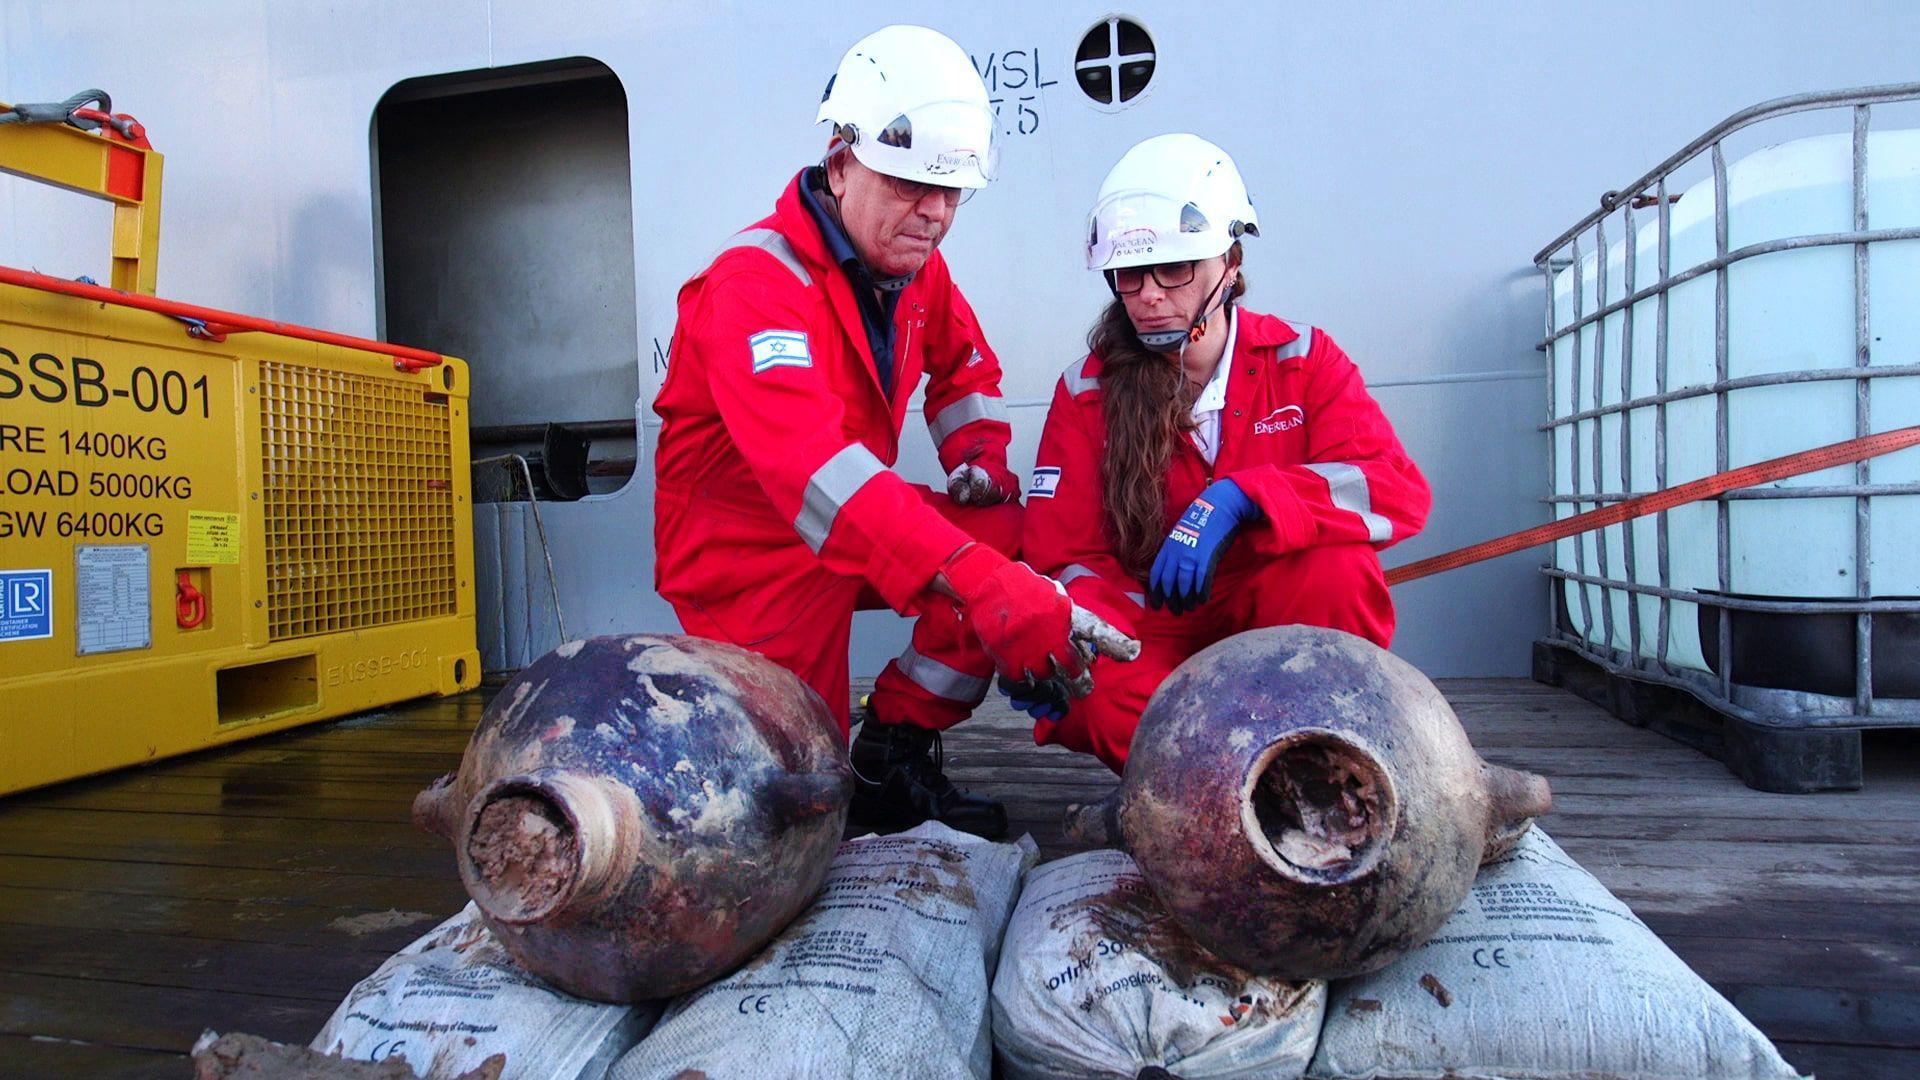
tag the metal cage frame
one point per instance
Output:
(1766, 707)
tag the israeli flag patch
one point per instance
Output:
(1046, 479)
(779, 348)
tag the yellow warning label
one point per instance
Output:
(213, 538)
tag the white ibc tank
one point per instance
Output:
(1787, 311)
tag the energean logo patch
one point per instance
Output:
(779, 348)
(1284, 418)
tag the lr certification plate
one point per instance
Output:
(112, 612)
(26, 604)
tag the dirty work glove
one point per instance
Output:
(981, 483)
(1042, 699)
(1023, 620)
(1182, 576)
(1047, 699)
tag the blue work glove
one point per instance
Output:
(1042, 699)
(1182, 576)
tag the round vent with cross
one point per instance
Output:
(1115, 61)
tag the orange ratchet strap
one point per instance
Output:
(1825, 457)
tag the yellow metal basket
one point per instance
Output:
(209, 536)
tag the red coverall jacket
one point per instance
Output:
(777, 441)
(1299, 434)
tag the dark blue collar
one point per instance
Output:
(876, 300)
(838, 244)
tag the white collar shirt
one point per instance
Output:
(1213, 398)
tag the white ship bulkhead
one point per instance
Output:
(1406, 161)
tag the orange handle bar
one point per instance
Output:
(405, 358)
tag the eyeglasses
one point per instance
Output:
(1171, 275)
(914, 190)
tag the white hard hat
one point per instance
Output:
(911, 105)
(1172, 198)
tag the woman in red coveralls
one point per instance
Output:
(1205, 469)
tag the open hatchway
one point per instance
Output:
(504, 213)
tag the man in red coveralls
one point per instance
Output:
(796, 350)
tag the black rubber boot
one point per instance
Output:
(898, 784)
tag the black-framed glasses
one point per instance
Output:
(914, 190)
(1129, 280)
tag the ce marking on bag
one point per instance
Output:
(1490, 959)
(756, 1003)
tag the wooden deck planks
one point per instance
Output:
(249, 887)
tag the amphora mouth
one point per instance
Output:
(522, 854)
(1318, 807)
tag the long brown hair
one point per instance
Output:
(1148, 405)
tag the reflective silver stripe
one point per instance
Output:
(1347, 486)
(1074, 572)
(829, 488)
(942, 681)
(773, 244)
(1077, 380)
(965, 411)
(1298, 346)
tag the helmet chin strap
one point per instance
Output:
(1166, 341)
(1176, 341)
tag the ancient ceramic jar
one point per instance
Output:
(1306, 804)
(635, 816)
